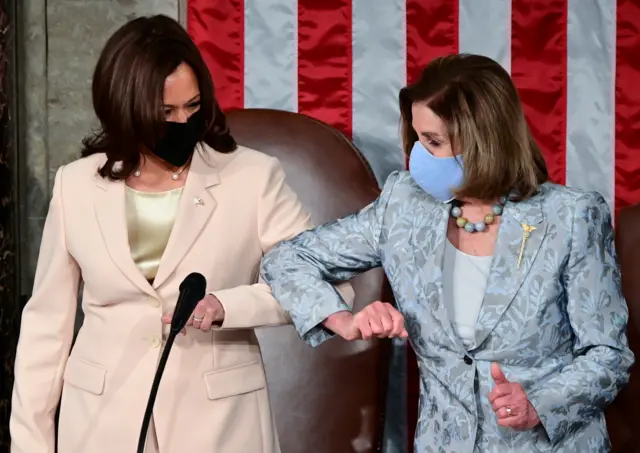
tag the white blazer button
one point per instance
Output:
(155, 342)
(155, 303)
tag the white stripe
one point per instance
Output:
(590, 96)
(182, 12)
(379, 72)
(612, 100)
(485, 29)
(271, 54)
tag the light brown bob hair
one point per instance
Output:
(128, 88)
(478, 102)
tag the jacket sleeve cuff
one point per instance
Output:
(310, 326)
(249, 307)
(230, 315)
(240, 311)
(554, 416)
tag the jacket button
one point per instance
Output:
(155, 303)
(468, 360)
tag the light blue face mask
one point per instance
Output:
(438, 176)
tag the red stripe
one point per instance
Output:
(539, 70)
(432, 31)
(218, 30)
(627, 144)
(324, 61)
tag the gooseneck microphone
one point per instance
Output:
(192, 291)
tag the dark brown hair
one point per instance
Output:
(128, 86)
(476, 99)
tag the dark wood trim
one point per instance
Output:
(10, 304)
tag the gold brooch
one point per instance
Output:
(526, 232)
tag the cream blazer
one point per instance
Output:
(213, 395)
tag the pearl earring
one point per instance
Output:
(177, 174)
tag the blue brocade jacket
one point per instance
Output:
(555, 324)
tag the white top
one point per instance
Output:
(463, 287)
(150, 219)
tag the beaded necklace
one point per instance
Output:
(471, 227)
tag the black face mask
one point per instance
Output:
(180, 139)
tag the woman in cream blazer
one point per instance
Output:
(232, 205)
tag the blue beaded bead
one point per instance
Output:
(503, 200)
(456, 212)
(469, 227)
(497, 210)
(480, 226)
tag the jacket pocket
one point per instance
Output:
(233, 381)
(85, 375)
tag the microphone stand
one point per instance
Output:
(192, 290)
(154, 390)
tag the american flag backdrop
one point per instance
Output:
(576, 64)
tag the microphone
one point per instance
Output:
(192, 291)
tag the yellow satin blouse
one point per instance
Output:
(150, 218)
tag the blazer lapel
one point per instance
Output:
(110, 212)
(428, 238)
(195, 209)
(505, 276)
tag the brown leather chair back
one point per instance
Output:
(328, 399)
(623, 416)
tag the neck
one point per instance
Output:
(474, 202)
(154, 171)
(152, 166)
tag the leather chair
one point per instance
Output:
(622, 415)
(329, 399)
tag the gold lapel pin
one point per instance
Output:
(526, 232)
(198, 201)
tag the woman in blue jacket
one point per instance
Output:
(507, 284)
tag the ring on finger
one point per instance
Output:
(197, 319)
(508, 411)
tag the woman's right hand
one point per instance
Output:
(379, 319)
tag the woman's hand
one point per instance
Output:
(510, 403)
(379, 319)
(208, 312)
